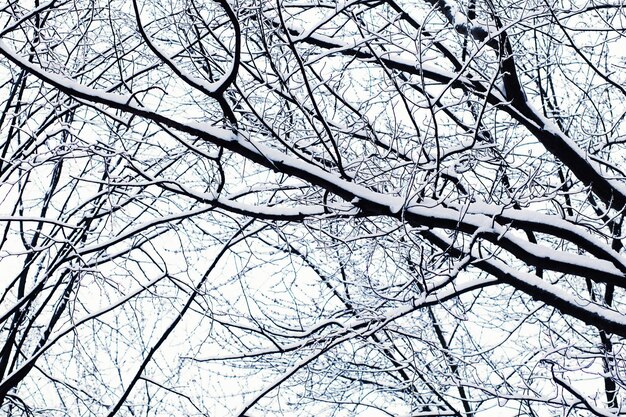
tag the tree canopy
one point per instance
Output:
(309, 207)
